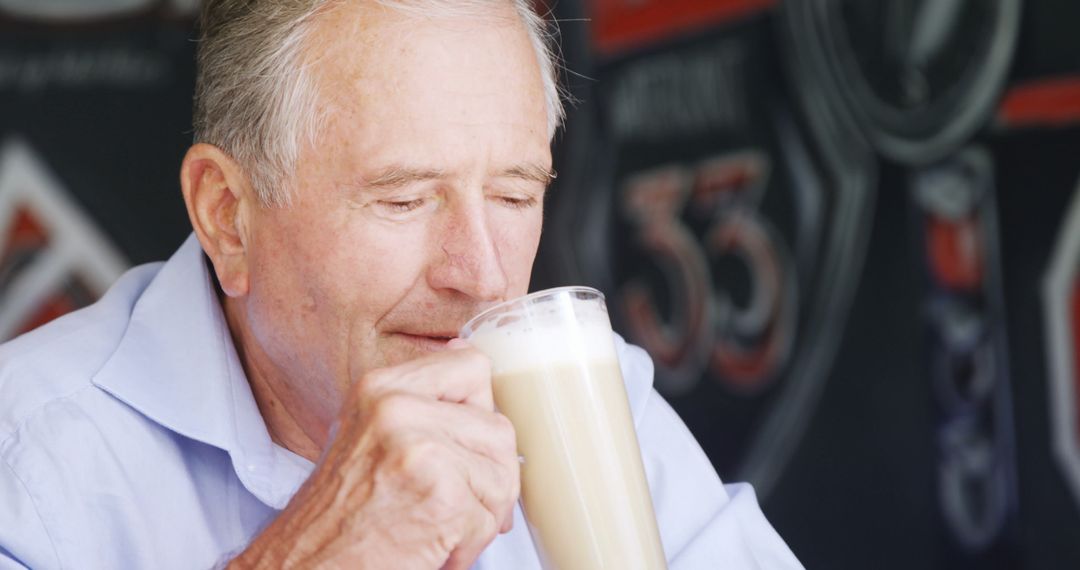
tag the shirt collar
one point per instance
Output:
(176, 364)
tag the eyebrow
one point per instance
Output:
(400, 176)
(531, 173)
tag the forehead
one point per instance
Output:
(383, 63)
(462, 95)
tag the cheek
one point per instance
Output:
(519, 239)
(296, 277)
(379, 267)
(286, 295)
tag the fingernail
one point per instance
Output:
(457, 343)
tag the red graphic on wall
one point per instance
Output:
(1049, 102)
(53, 257)
(25, 239)
(742, 343)
(619, 25)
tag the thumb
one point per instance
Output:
(457, 344)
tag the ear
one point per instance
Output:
(218, 197)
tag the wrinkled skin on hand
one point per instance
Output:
(422, 473)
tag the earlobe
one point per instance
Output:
(217, 193)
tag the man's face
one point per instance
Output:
(420, 204)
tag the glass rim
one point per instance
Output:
(525, 300)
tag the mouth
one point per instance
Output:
(427, 341)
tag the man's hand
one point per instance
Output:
(421, 473)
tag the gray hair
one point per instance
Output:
(257, 101)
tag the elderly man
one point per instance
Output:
(286, 390)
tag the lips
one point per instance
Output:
(427, 341)
(445, 335)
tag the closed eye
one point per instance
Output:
(517, 202)
(401, 206)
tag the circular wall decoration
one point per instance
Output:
(918, 77)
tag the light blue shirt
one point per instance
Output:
(129, 438)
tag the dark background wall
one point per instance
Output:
(842, 228)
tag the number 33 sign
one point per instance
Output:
(738, 326)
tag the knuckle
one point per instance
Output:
(515, 491)
(418, 461)
(506, 435)
(488, 527)
(515, 477)
(477, 360)
(445, 499)
(390, 412)
(503, 425)
(511, 483)
(501, 484)
(371, 382)
(415, 473)
(444, 491)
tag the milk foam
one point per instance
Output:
(520, 339)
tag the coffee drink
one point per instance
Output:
(583, 488)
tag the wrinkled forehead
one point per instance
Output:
(374, 61)
(455, 94)
(356, 40)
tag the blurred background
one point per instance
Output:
(848, 232)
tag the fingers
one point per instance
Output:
(494, 473)
(473, 469)
(457, 343)
(477, 539)
(429, 430)
(486, 448)
(476, 446)
(460, 375)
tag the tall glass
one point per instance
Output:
(556, 376)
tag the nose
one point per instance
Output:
(469, 261)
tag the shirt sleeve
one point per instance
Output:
(24, 541)
(703, 523)
(8, 561)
